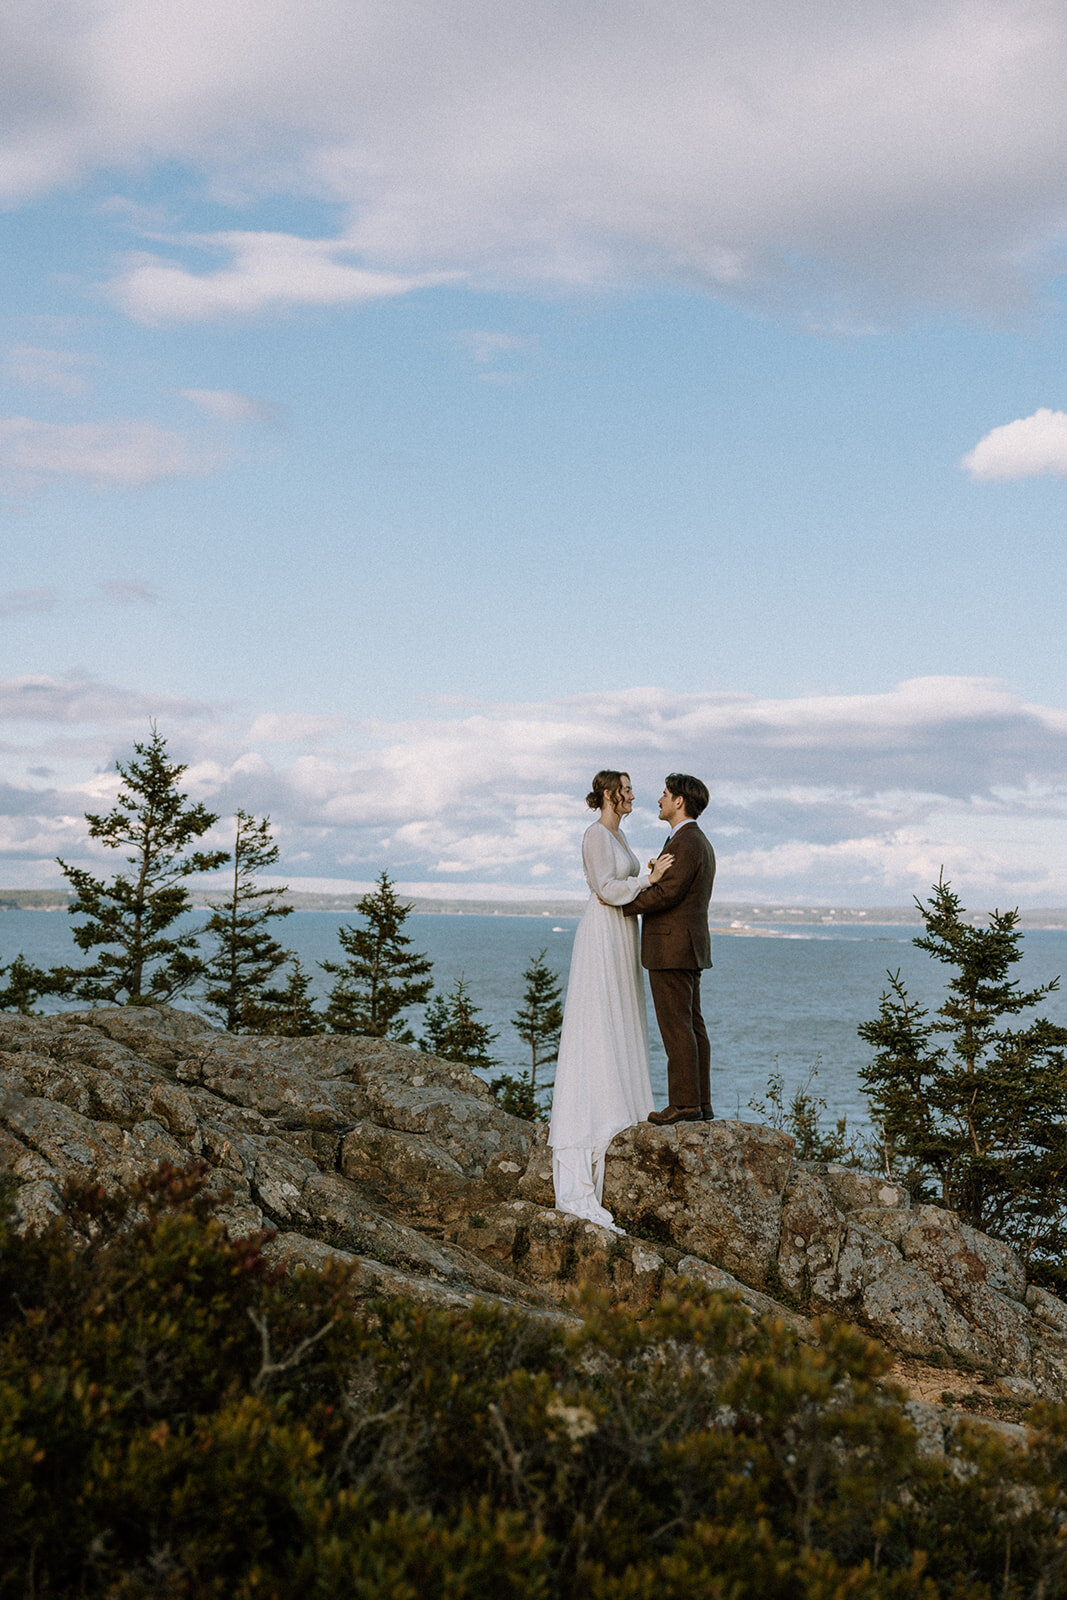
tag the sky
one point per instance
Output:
(412, 408)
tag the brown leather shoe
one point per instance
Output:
(672, 1114)
(707, 1114)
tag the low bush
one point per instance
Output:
(180, 1419)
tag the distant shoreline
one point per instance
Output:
(733, 917)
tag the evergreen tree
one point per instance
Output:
(453, 1032)
(515, 1096)
(538, 1022)
(539, 1019)
(138, 961)
(381, 977)
(288, 1011)
(246, 954)
(973, 1114)
(25, 984)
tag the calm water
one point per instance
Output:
(772, 1003)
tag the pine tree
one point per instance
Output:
(381, 977)
(288, 1011)
(246, 955)
(973, 1114)
(127, 920)
(452, 1031)
(539, 1019)
(25, 984)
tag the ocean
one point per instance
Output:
(785, 1001)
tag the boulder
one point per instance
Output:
(557, 1252)
(860, 1191)
(921, 1280)
(416, 1094)
(964, 1261)
(373, 1280)
(53, 1142)
(536, 1181)
(942, 1431)
(896, 1300)
(402, 1169)
(812, 1234)
(760, 1305)
(713, 1189)
(1047, 1311)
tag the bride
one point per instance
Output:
(602, 1076)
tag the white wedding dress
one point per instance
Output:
(602, 1075)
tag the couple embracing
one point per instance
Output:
(602, 1075)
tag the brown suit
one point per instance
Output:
(675, 947)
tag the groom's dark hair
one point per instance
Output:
(691, 790)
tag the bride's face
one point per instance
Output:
(626, 796)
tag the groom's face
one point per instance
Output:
(669, 807)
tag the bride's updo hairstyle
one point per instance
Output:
(605, 785)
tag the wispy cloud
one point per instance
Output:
(46, 701)
(486, 345)
(120, 454)
(27, 602)
(494, 353)
(1032, 447)
(227, 406)
(267, 272)
(35, 367)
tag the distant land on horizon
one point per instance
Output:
(726, 916)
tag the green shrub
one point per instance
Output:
(180, 1419)
(802, 1114)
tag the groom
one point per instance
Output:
(676, 946)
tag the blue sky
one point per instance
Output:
(415, 408)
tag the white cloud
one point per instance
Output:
(39, 838)
(62, 371)
(120, 454)
(1029, 448)
(294, 727)
(27, 602)
(226, 406)
(44, 700)
(267, 272)
(766, 150)
(839, 798)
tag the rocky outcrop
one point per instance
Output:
(286, 1127)
(363, 1151)
(713, 1189)
(833, 1240)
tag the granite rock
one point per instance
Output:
(558, 1253)
(713, 1189)
(367, 1153)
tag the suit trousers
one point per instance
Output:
(676, 997)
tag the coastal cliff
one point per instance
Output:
(360, 1150)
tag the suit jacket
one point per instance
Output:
(674, 932)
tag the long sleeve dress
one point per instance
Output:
(602, 1074)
